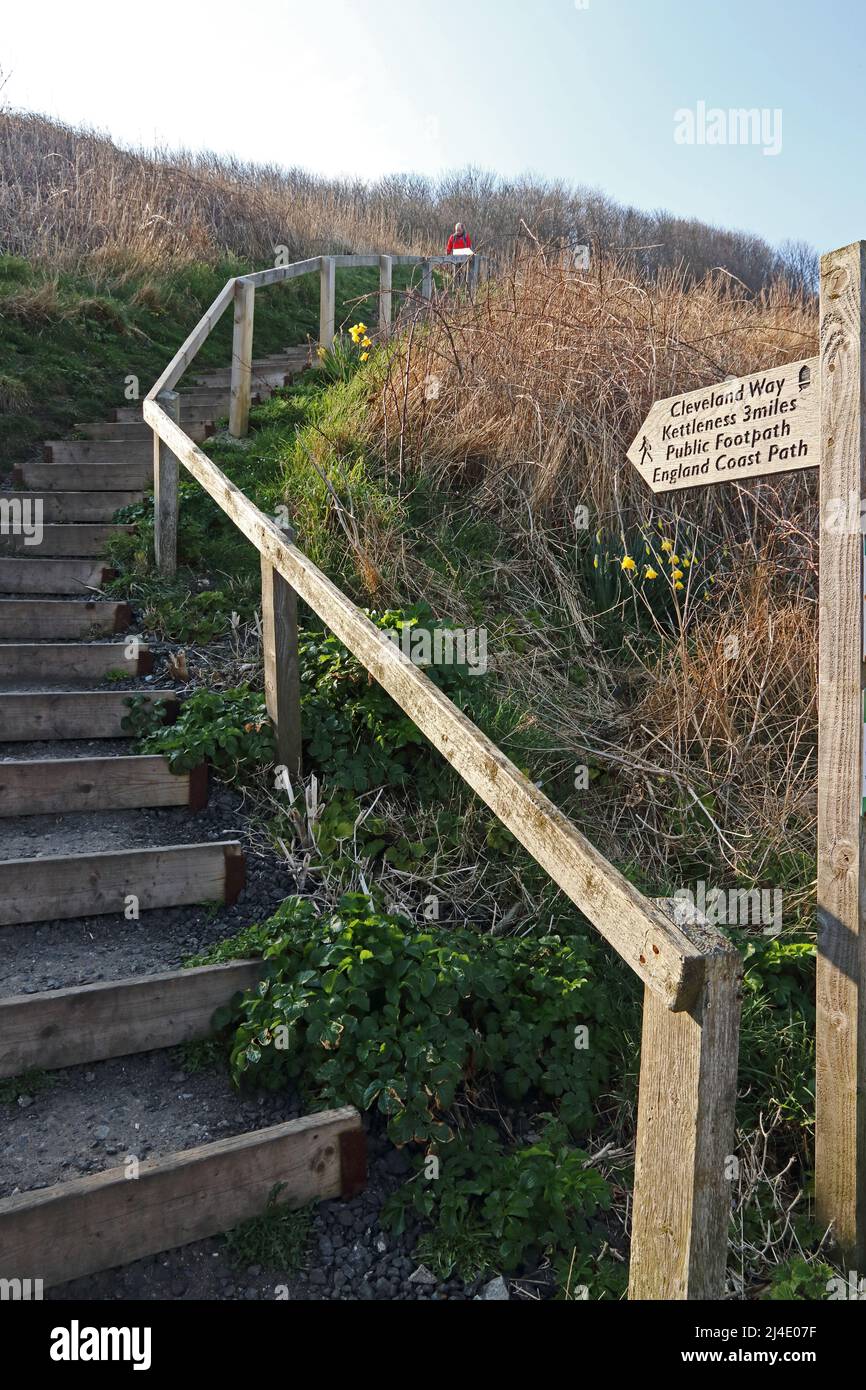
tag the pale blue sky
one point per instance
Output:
(585, 94)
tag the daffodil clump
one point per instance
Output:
(360, 337)
(341, 360)
(662, 569)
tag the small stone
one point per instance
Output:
(496, 1289)
(423, 1276)
(101, 1132)
(24, 1101)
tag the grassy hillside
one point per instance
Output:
(70, 339)
(72, 197)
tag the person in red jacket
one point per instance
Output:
(459, 240)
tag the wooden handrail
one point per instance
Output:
(656, 948)
(690, 971)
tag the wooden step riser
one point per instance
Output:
(92, 1023)
(200, 399)
(79, 540)
(97, 451)
(97, 1222)
(59, 663)
(61, 786)
(63, 507)
(92, 885)
(33, 714)
(53, 576)
(222, 380)
(84, 477)
(43, 619)
(136, 432)
(200, 409)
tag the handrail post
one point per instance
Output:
(327, 301)
(684, 1160)
(840, 1023)
(242, 358)
(282, 671)
(386, 269)
(426, 280)
(165, 491)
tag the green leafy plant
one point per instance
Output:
(495, 1208)
(225, 727)
(363, 1010)
(355, 732)
(800, 1280)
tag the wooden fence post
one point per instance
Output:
(386, 267)
(282, 676)
(242, 357)
(327, 301)
(685, 1136)
(426, 280)
(840, 1128)
(165, 495)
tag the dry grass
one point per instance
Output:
(71, 198)
(520, 407)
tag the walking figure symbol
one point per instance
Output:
(646, 453)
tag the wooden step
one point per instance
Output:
(49, 786)
(124, 433)
(38, 714)
(78, 539)
(84, 477)
(78, 506)
(53, 576)
(90, 885)
(91, 1023)
(97, 451)
(62, 662)
(270, 376)
(40, 618)
(83, 1225)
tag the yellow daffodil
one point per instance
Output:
(651, 573)
(364, 356)
(366, 342)
(678, 574)
(686, 562)
(674, 560)
(666, 545)
(320, 352)
(679, 586)
(627, 563)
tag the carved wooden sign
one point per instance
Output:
(747, 426)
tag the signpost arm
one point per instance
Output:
(840, 1140)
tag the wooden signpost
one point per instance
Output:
(801, 415)
(747, 426)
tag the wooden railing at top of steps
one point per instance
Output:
(691, 974)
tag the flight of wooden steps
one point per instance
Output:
(62, 645)
(61, 642)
